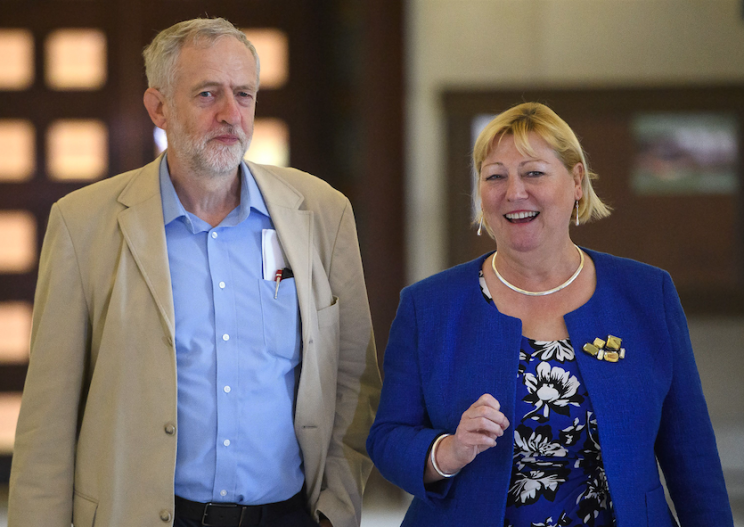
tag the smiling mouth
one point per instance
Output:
(521, 217)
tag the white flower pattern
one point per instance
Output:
(537, 443)
(560, 350)
(563, 447)
(552, 388)
(558, 478)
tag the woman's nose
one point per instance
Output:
(515, 188)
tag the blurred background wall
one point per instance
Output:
(528, 44)
(365, 102)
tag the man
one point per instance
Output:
(202, 349)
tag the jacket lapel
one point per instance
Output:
(293, 228)
(143, 228)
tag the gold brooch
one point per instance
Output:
(608, 350)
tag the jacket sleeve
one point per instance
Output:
(41, 480)
(358, 383)
(686, 444)
(402, 434)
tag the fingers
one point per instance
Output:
(480, 426)
(487, 400)
(485, 415)
(473, 443)
(475, 430)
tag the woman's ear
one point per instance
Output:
(578, 175)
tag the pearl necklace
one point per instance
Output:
(540, 293)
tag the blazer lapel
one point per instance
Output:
(143, 228)
(293, 228)
(599, 317)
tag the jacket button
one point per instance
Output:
(170, 429)
(165, 515)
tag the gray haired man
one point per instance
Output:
(202, 349)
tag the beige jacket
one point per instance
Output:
(96, 439)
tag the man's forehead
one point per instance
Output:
(210, 63)
(222, 49)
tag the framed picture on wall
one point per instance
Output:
(685, 153)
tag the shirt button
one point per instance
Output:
(222, 285)
(225, 337)
(170, 429)
(226, 442)
(227, 389)
(165, 515)
(214, 235)
(223, 493)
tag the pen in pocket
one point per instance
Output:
(281, 274)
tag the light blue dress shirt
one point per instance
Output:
(237, 351)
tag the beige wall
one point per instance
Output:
(720, 362)
(527, 43)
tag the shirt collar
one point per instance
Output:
(250, 197)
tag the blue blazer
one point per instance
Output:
(448, 347)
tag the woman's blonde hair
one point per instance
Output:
(518, 122)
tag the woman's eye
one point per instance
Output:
(491, 177)
(534, 173)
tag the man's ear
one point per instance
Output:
(155, 104)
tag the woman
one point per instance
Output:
(538, 385)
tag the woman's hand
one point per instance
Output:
(479, 427)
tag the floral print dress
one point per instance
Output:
(558, 478)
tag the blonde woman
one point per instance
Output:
(539, 385)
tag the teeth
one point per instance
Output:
(521, 215)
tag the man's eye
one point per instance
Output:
(205, 94)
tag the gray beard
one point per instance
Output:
(205, 156)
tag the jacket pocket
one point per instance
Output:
(327, 341)
(657, 510)
(328, 316)
(83, 511)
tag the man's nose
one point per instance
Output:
(229, 111)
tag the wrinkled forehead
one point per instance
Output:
(224, 56)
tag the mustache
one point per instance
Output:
(228, 130)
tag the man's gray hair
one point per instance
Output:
(163, 52)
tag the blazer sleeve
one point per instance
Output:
(358, 383)
(686, 444)
(402, 434)
(41, 480)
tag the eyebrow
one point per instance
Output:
(531, 160)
